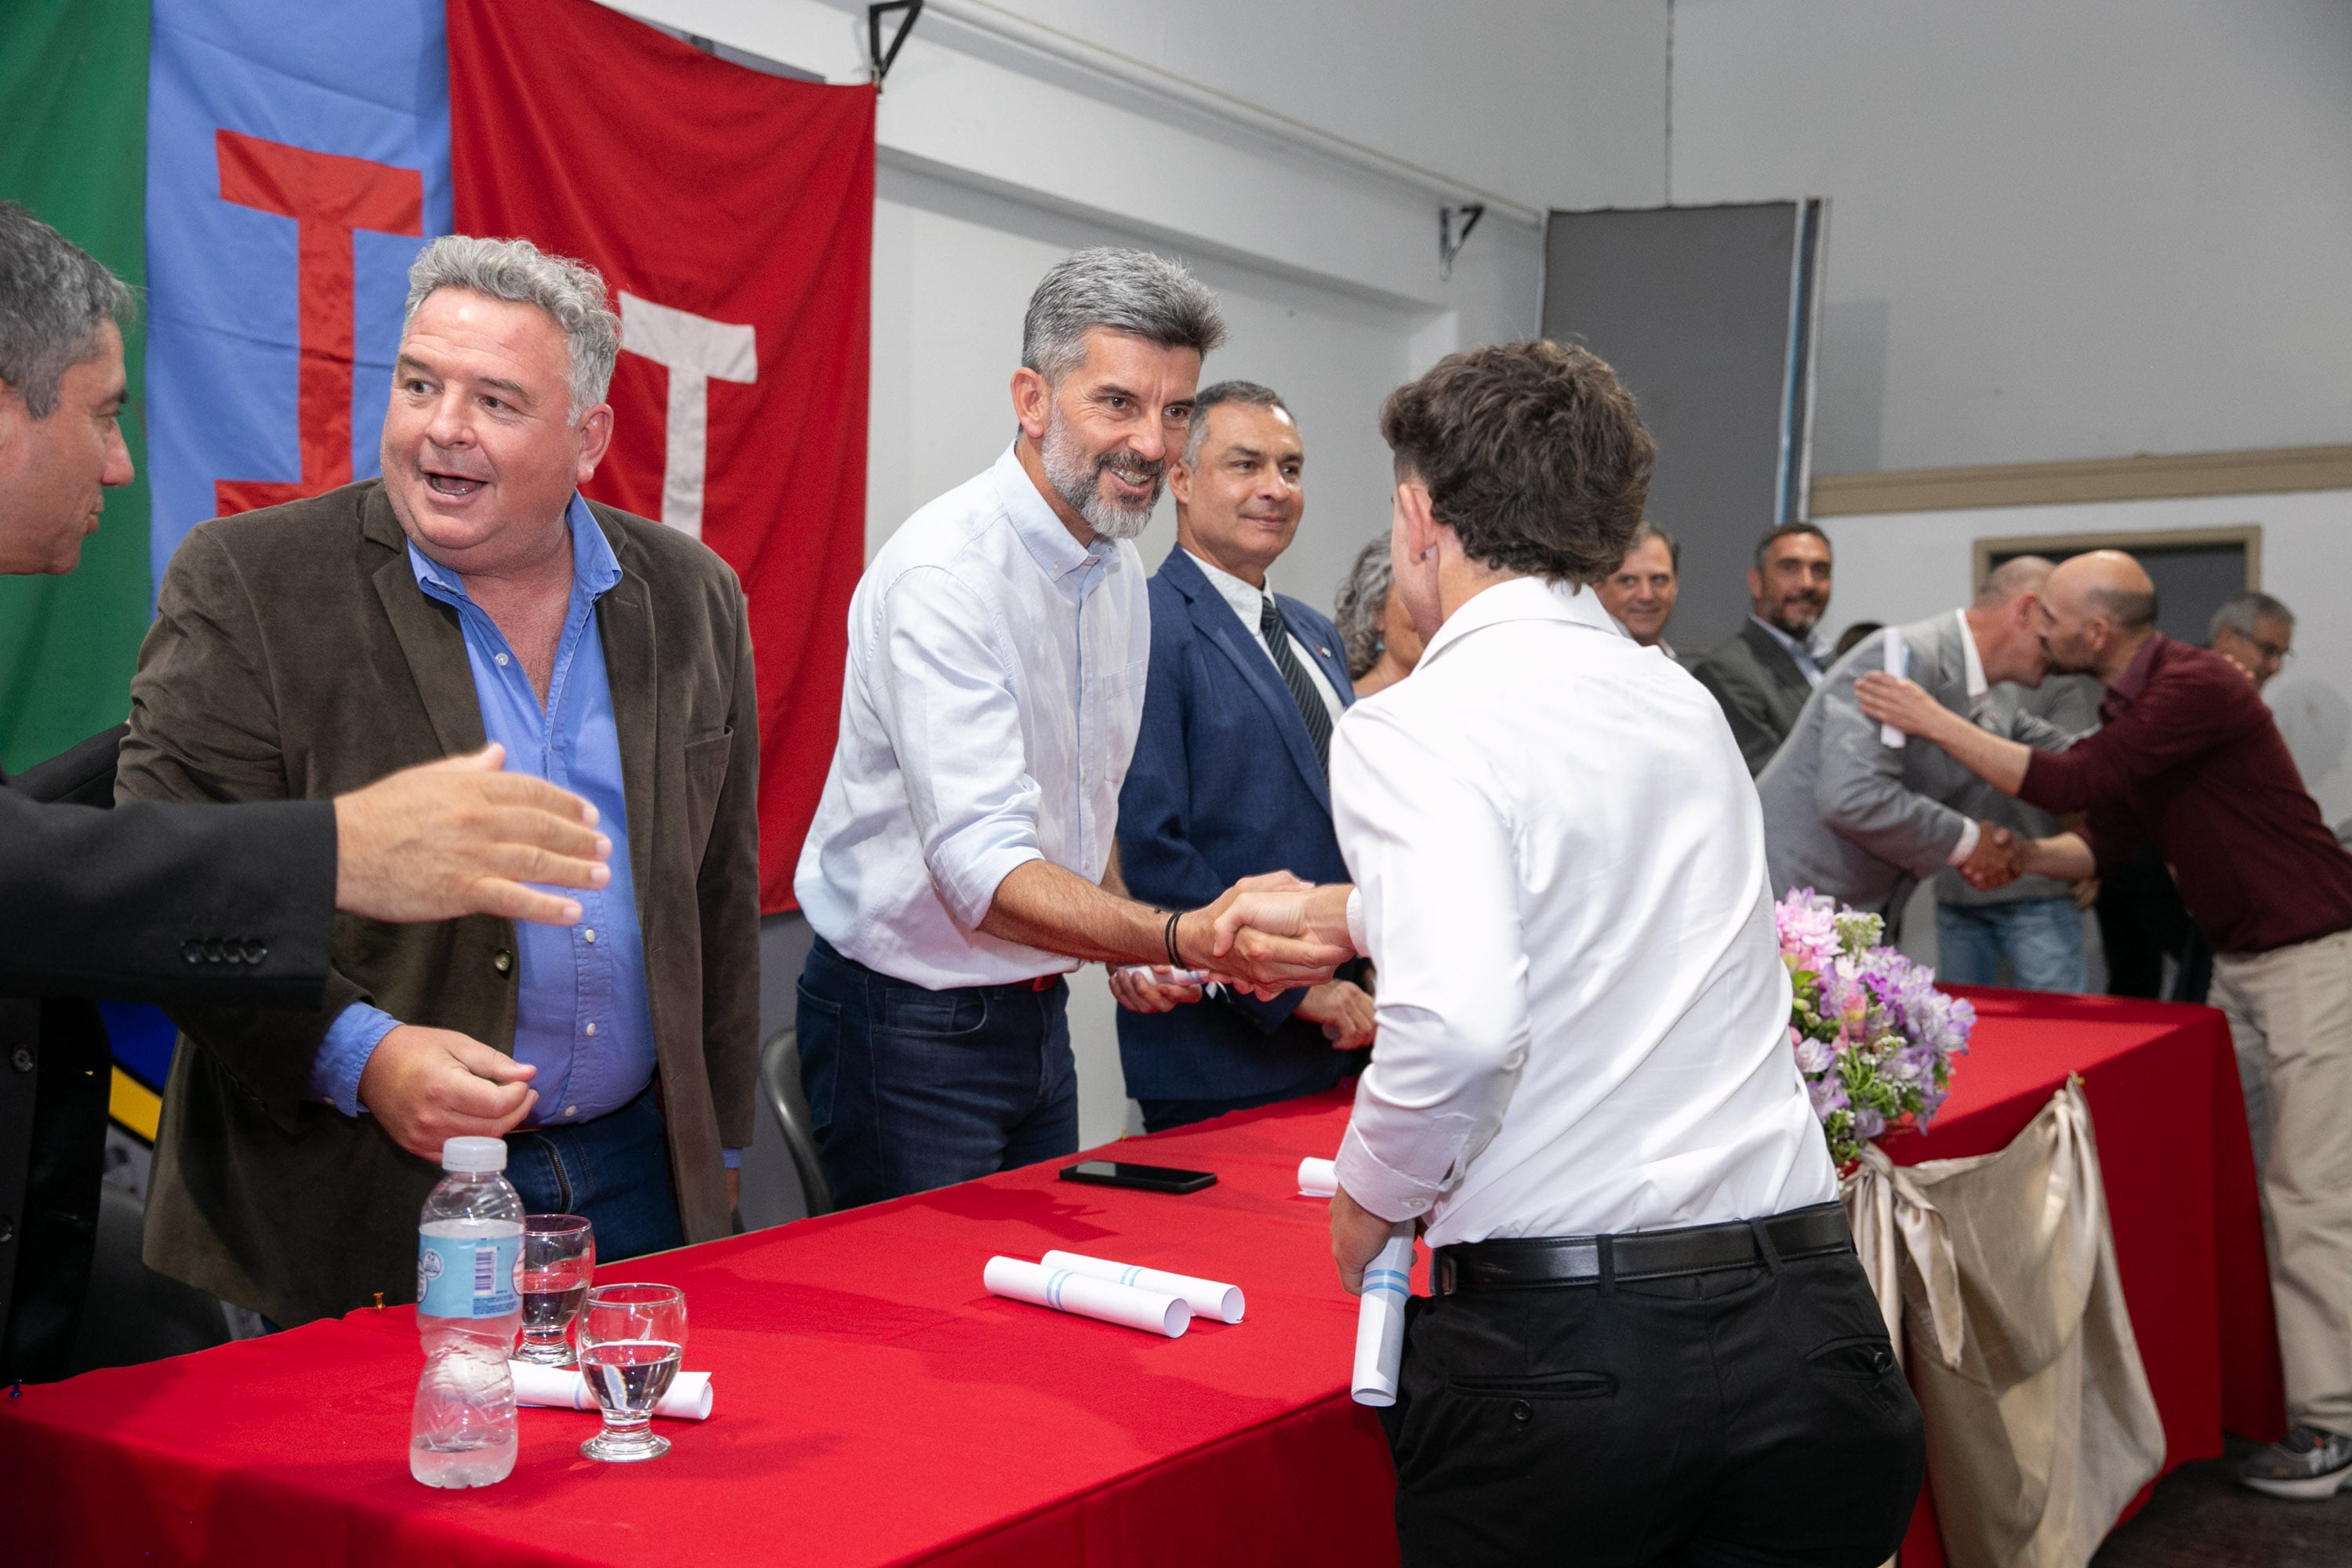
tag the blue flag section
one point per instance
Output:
(298, 159)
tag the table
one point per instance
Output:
(876, 1407)
(2162, 1083)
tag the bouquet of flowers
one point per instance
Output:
(1872, 1036)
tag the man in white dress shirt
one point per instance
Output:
(1650, 1339)
(960, 863)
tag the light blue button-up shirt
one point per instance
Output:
(581, 1014)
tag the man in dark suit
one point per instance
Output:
(1771, 665)
(1230, 774)
(470, 593)
(176, 904)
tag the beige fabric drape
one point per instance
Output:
(2000, 1271)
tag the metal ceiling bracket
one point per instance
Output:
(880, 59)
(1454, 226)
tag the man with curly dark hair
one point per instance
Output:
(1649, 1335)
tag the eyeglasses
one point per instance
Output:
(2281, 656)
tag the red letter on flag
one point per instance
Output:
(328, 197)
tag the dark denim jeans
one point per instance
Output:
(613, 1172)
(912, 1089)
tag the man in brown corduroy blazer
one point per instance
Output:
(470, 594)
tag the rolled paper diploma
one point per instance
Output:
(1380, 1322)
(1889, 735)
(1129, 1306)
(1318, 1178)
(1207, 1298)
(563, 1388)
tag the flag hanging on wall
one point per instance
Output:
(298, 155)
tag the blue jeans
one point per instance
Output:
(2042, 939)
(912, 1089)
(613, 1172)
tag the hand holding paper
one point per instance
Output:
(1380, 1322)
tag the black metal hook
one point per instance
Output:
(884, 59)
(1449, 238)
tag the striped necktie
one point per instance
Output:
(1302, 685)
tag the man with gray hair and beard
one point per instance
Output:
(961, 862)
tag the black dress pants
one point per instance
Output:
(1749, 1417)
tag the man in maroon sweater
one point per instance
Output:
(2189, 758)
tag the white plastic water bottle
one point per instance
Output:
(468, 1245)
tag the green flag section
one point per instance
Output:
(73, 150)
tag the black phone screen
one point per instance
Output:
(1149, 1178)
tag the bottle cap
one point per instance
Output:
(474, 1154)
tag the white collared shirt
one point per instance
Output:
(1583, 1013)
(990, 709)
(1249, 602)
(1810, 655)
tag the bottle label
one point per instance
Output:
(467, 1276)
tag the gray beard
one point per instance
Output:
(1078, 482)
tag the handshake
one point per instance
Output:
(1999, 859)
(1266, 934)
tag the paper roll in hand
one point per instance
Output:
(1897, 659)
(1207, 1298)
(562, 1388)
(1153, 1311)
(1318, 1178)
(1380, 1322)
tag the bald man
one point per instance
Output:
(2191, 760)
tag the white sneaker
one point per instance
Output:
(2308, 1464)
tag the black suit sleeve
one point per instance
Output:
(1749, 713)
(113, 903)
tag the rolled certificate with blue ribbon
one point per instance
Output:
(1207, 1298)
(1066, 1290)
(1888, 735)
(1380, 1322)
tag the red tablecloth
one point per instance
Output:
(876, 1406)
(2171, 1125)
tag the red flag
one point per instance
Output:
(732, 213)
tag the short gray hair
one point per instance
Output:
(2240, 612)
(1647, 532)
(1363, 607)
(2018, 575)
(1224, 391)
(54, 298)
(1124, 290)
(517, 271)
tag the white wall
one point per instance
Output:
(2056, 231)
(1904, 566)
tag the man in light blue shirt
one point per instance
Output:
(470, 594)
(960, 861)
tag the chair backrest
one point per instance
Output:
(779, 1079)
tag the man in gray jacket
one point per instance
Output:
(1847, 815)
(2032, 923)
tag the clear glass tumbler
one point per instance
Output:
(559, 1259)
(632, 1339)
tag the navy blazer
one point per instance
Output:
(1225, 785)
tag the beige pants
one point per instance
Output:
(2290, 1016)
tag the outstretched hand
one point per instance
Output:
(462, 836)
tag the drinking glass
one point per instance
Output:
(559, 1258)
(632, 1338)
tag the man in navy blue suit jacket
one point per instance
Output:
(1229, 777)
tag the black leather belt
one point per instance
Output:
(1532, 1262)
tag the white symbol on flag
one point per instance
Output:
(696, 349)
